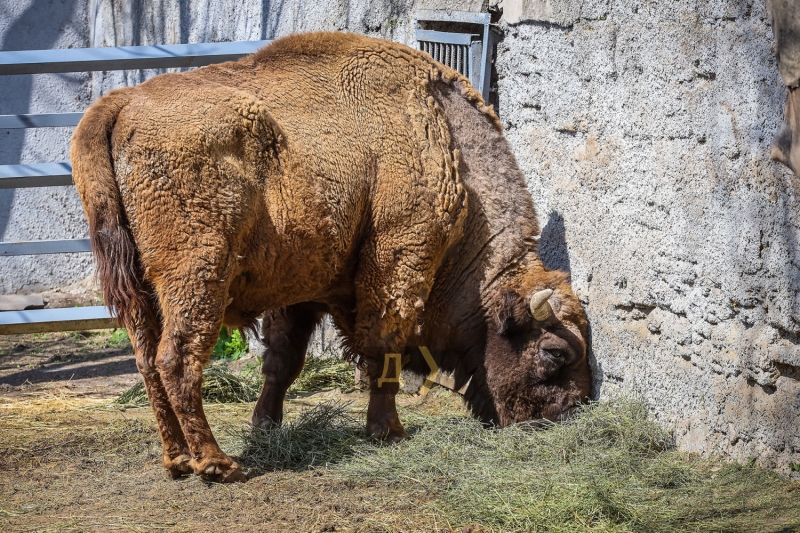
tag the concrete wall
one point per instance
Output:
(53, 212)
(643, 128)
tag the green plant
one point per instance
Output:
(253, 368)
(230, 346)
(119, 337)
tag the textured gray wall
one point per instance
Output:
(121, 23)
(54, 212)
(643, 128)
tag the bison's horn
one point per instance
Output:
(540, 305)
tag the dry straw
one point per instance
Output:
(610, 469)
(222, 385)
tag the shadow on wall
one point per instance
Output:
(555, 256)
(28, 32)
(553, 244)
(271, 11)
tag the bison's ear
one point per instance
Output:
(510, 312)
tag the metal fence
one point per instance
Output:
(60, 173)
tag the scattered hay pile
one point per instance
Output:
(609, 469)
(320, 373)
(321, 435)
(220, 385)
(83, 440)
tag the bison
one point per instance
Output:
(326, 173)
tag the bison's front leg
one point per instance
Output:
(192, 318)
(383, 421)
(286, 333)
(393, 282)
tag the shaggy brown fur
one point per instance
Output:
(327, 173)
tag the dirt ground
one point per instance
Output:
(71, 462)
(79, 364)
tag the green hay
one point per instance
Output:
(324, 373)
(135, 396)
(319, 436)
(610, 469)
(220, 385)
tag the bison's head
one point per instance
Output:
(536, 363)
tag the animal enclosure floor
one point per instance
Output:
(71, 461)
(81, 467)
(96, 363)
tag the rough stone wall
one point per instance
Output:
(643, 128)
(116, 23)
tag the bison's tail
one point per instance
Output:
(116, 258)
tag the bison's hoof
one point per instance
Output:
(390, 433)
(222, 472)
(179, 466)
(264, 423)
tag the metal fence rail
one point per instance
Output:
(123, 57)
(35, 175)
(60, 174)
(67, 319)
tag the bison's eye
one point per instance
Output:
(556, 357)
(556, 349)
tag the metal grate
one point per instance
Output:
(458, 51)
(463, 51)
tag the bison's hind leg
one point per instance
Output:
(192, 309)
(286, 333)
(145, 334)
